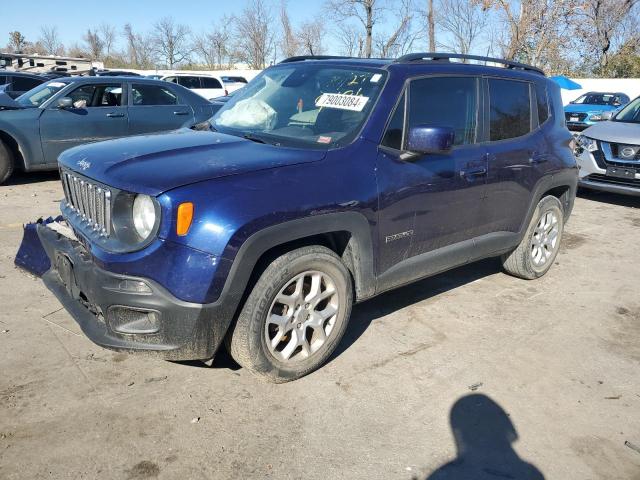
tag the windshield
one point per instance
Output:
(630, 113)
(37, 96)
(598, 99)
(294, 104)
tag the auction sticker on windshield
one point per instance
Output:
(341, 101)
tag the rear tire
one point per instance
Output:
(295, 315)
(6, 162)
(539, 247)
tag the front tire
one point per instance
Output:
(295, 315)
(6, 162)
(539, 247)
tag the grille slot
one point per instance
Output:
(89, 200)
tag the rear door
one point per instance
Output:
(97, 114)
(432, 201)
(157, 108)
(517, 153)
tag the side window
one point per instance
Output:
(3, 80)
(393, 137)
(189, 82)
(510, 109)
(209, 82)
(152, 95)
(24, 84)
(97, 96)
(542, 102)
(446, 102)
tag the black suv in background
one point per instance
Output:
(15, 84)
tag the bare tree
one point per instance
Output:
(431, 26)
(350, 41)
(50, 40)
(140, 49)
(95, 44)
(288, 42)
(365, 12)
(405, 33)
(213, 45)
(108, 35)
(601, 25)
(463, 21)
(171, 42)
(17, 42)
(255, 39)
(310, 37)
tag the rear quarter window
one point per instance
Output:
(542, 102)
(208, 82)
(509, 109)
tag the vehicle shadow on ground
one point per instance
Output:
(25, 178)
(367, 312)
(612, 198)
(484, 435)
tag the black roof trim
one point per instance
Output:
(446, 57)
(301, 58)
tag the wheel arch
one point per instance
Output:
(347, 234)
(14, 147)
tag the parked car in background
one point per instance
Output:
(609, 153)
(115, 73)
(16, 83)
(206, 86)
(233, 83)
(42, 123)
(590, 108)
(323, 183)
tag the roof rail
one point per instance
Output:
(301, 58)
(434, 56)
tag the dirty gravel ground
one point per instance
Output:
(559, 356)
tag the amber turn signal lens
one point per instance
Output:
(185, 216)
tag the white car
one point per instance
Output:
(206, 86)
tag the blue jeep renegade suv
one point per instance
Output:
(326, 181)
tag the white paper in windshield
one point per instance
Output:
(341, 101)
(56, 84)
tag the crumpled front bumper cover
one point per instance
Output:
(93, 296)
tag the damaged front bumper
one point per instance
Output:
(126, 313)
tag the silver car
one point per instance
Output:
(608, 153)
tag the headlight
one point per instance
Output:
(587, 143)
(144, 216)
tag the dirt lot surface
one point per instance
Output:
(539, 378)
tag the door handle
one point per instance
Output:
(181, 112)
(474, 172)
(115, 115)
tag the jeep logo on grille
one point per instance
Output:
(83, 164)
(628, 152)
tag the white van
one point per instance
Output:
(206, 86)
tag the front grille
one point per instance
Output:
(89, 200)
(581, 116)
(627, 182)
(625, 151)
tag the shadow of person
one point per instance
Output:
(483, 434)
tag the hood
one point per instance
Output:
(153, 164)
(616, 132)
(582, 108)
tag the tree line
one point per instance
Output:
(571, 37)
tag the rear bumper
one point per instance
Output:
(120, 313)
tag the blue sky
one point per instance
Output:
(74, 17)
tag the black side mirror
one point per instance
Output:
(65, 102)
(424, 139)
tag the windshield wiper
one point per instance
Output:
(254, 138)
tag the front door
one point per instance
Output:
(97, 114)
(430, 202)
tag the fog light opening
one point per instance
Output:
(133, 321)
